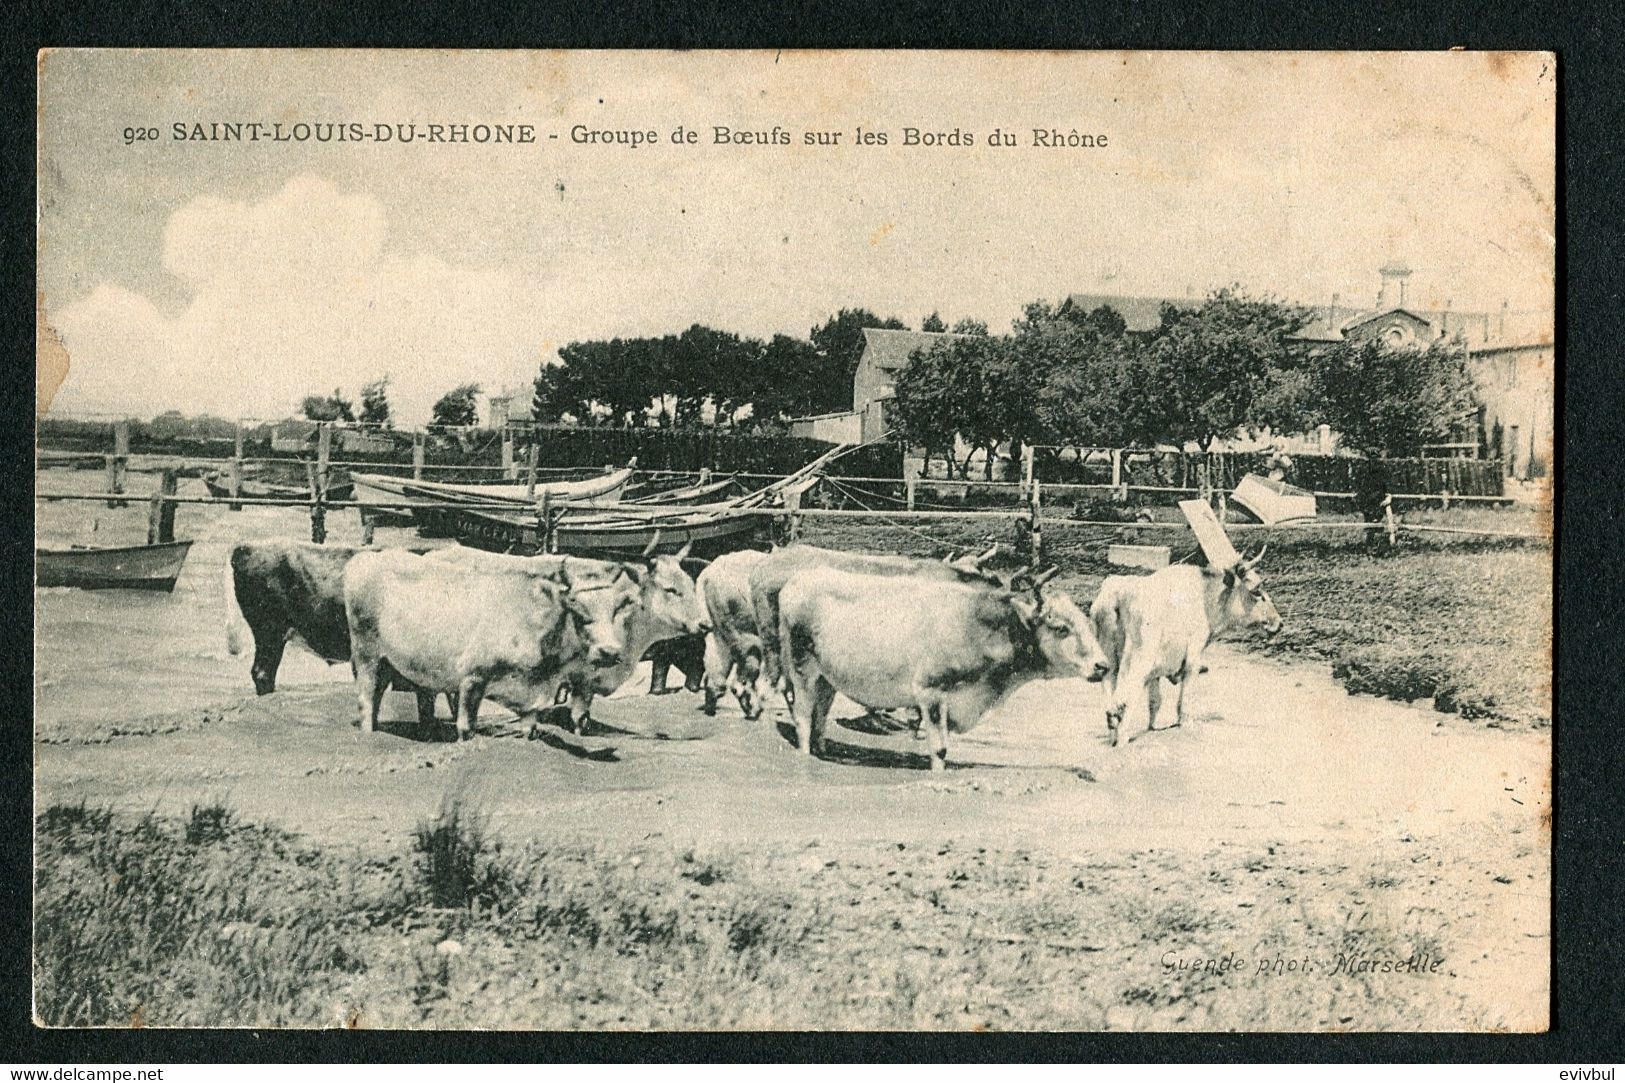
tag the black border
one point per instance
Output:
(1587, 998)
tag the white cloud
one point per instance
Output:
(296, 294)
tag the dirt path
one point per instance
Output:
(1278, 760)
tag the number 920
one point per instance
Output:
(140, 135)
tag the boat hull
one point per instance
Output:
(708, 534)
(259, 490)
(135, 567)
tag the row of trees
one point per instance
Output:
(456, 407)
(707, 376)
(1231, 364)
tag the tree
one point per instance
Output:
(967, 326)
(334, 407)
(969, 387)
(933, 322)
(1388, 402)
(839, 341)
(375, 402)
(456, 407)
(1215, 369)
(925, 410)
(786, 382)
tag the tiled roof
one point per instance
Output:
(890, 349)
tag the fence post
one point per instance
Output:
(544, 513)
(324, 454)
(161, 512)
(117, 461)
(508, 469)
(1119, 490)
(1390, 520)
(530, 469)
(1026, 470)
(318, 514)
(792, 504)
(1034, 511)
(234, 477)
(909, 485)
(417, 455)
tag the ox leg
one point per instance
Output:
(717, 670)
(268, 647)
(469, 694)
(580, 709)
(1179, 702)
(823, 697)
(425, 700)
(936, 717)
(369, 687)
(660, 670)
(1153, 702)
(1115, 707)
(689, 657)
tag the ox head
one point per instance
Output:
(1244, 601)
(671, 605)
(1064, 634)
(600, 610)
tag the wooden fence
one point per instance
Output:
(1153, 469)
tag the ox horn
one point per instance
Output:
(1258, 556)
(654, 543)
(992, 552)
(1046, 575)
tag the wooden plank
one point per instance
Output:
(1139, 556)
(1209, 533)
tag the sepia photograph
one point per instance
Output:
(794, 540)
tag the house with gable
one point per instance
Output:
(1510, 354)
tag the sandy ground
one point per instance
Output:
(140, 707)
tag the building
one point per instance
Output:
(844, 427)
(1510, 354)
(509, 404)
(874, 385)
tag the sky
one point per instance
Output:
(236, 277)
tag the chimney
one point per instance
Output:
(1503, 332)
(1331, 313)
(1393, 272)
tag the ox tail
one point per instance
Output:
(236, 623)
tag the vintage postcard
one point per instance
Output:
(806, 540)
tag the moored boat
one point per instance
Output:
(130, 567)
(219, 486)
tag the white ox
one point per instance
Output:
(953, 650)
(733, 647)
(513, 633)
(768, 577)
(1155, 627)
(663, 604)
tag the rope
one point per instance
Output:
(895, 526)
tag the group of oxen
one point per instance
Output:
(947, 640)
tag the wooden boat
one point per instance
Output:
(376, 488)
(220, 486)
(711, 529)
(436, 522)
(1270, 501)
(132, 567)
(67, 460)
(594, 529)
(687, 494)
